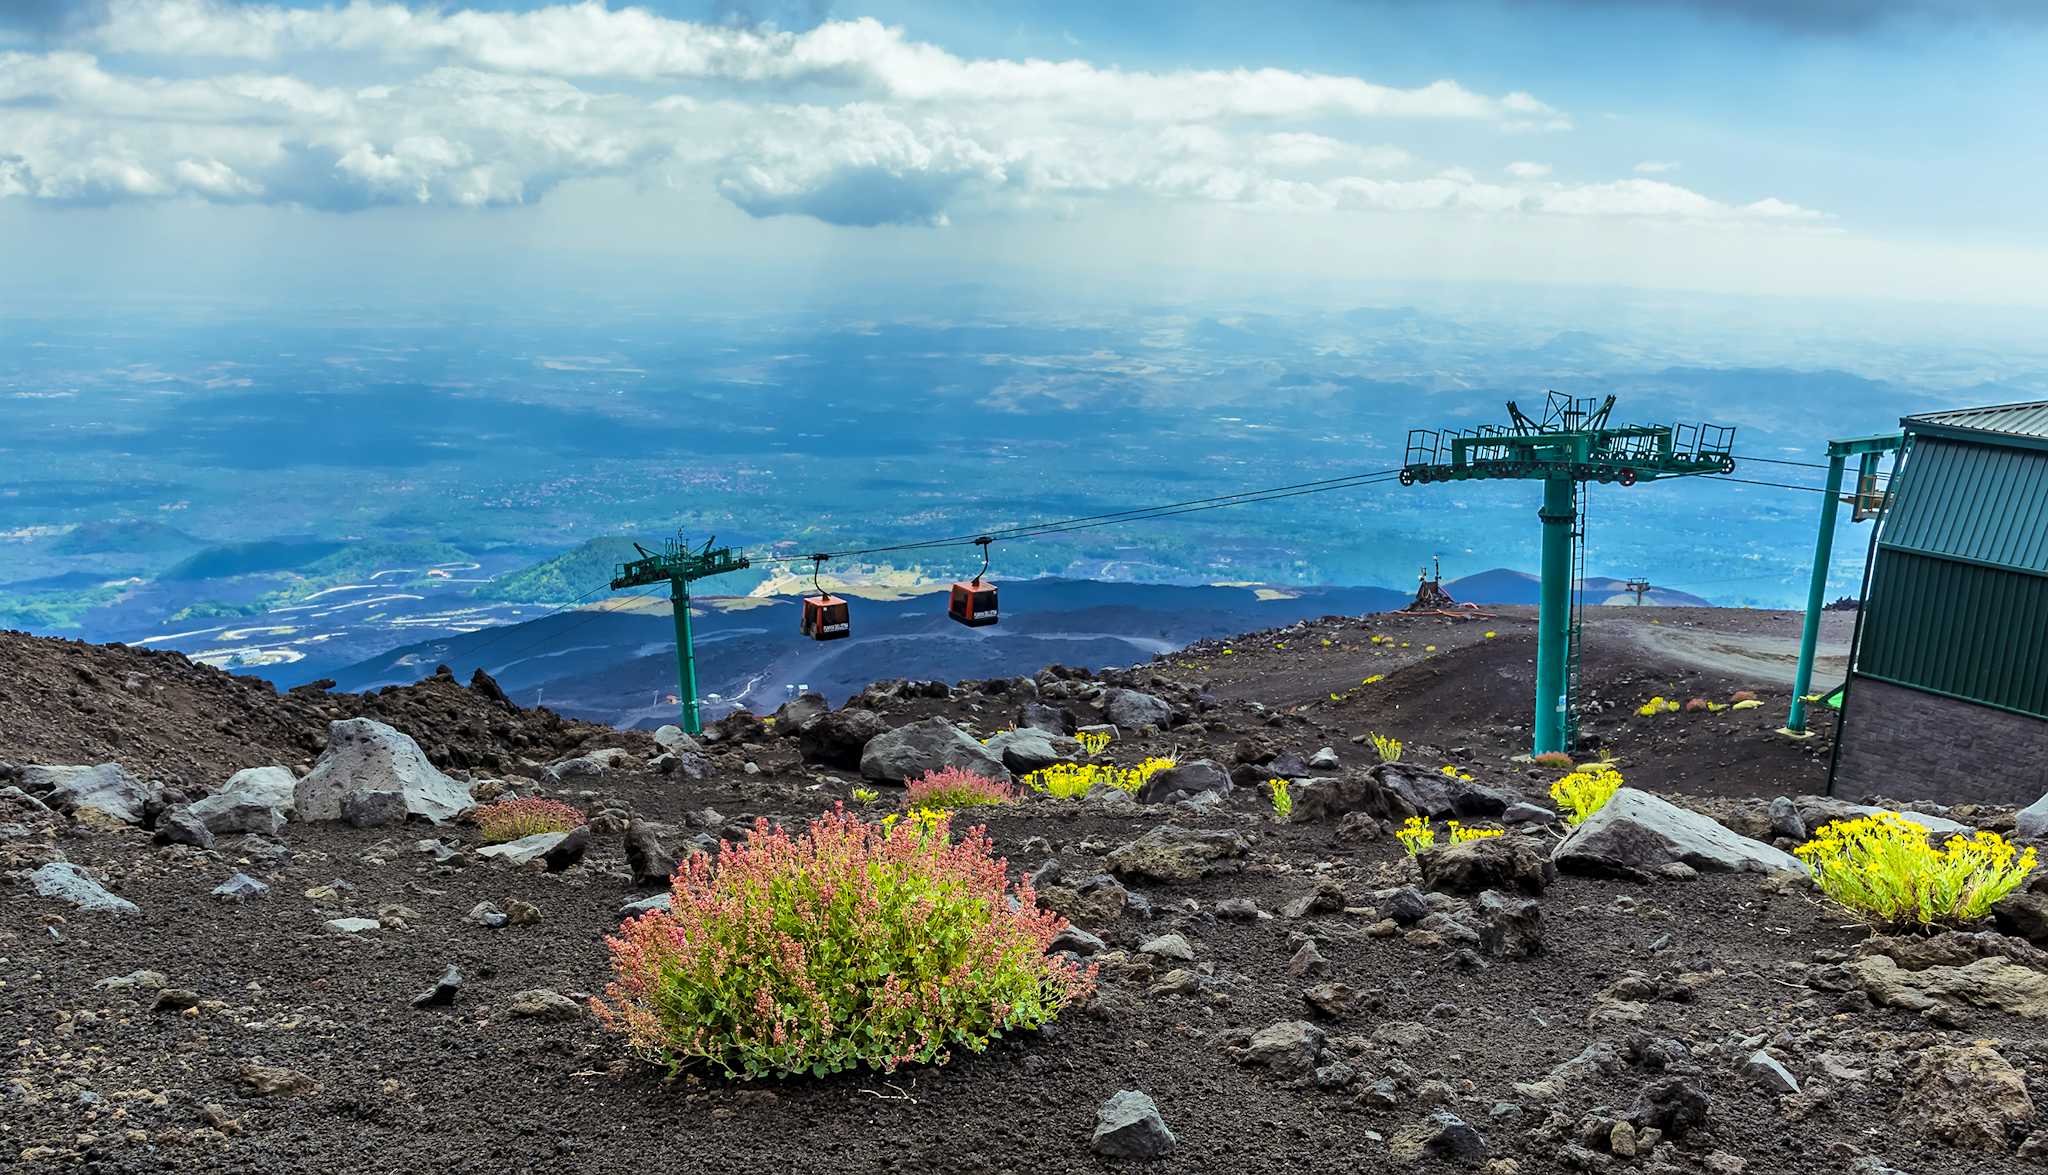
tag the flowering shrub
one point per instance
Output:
(1585, 791)
(1742, 695)
(953, 787)
(1093, 742)
(846, 945)
(1697, 705)
(1882, 867)
(1283, 800)
(512, 819)
(1389, 748)
(1557, 760)
(1416, 835)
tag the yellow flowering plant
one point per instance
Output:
(1389, 748)
(1883, 868)
(1415, 835)
(1585, 791)
(1461, 833)
(1093, 742)
(1283, 800)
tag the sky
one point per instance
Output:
(1829, 150)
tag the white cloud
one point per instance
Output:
(1655, 167)
(851, 123)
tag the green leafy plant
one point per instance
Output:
(846, 945)
(1585, 791)
(508, 820)
(866, 795)
(1883, 868)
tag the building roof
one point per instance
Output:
(2023, 424)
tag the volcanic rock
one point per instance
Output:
(1170, 853)
(1966, 1095)
(1133, 710)
(1128, 1126)
(255, 799)
(106, 787)
(1495, 862)
(837, 739)
(650, 863)
(908, 752)
(1185, 781)
(364, 756)
(66, 882)
(1635, 832)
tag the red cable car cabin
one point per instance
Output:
(974, 603)
(825, 618)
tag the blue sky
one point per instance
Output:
(1829, 150)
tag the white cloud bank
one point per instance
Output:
(850, 123)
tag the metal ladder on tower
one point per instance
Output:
(1573, 632)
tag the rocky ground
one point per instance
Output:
(1657, 995)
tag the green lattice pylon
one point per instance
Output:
(677, 564)
(1572, 444)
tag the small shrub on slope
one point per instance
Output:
(953, 787)
(511, 819)
(843, 946)
(1882, 868)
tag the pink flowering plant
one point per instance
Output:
(849, 944)
(512, 819)
(954, 787)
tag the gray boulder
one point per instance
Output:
(648, 861)
(373, 809)
(1025, 751)
(525, 850)
(1128, 1126)
(1185, 781)
(593, 764)
(2033, 820)
(1289, 1049)
(1815, 811)
(1132, 710)
(1324, 760)
(933, 744)
(1635, 834)
(241, 888)
(66, 882)
(1498, 862)
(837, 739)
(255, 799)
(106, 786)
(799, 710)
(180, 827)
(671, 738)
(1046, 717)
(365, 756)
(1170, 853)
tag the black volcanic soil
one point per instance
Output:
(98, 1081)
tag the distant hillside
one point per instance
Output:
(1504, 586)
(234, 559)
(135, 537)
(565, 577)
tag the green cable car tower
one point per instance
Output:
(677, 564)
(1571, 446)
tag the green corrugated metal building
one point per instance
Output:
(1948, 698)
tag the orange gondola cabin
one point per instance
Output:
(825, 618)
(974, 603)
